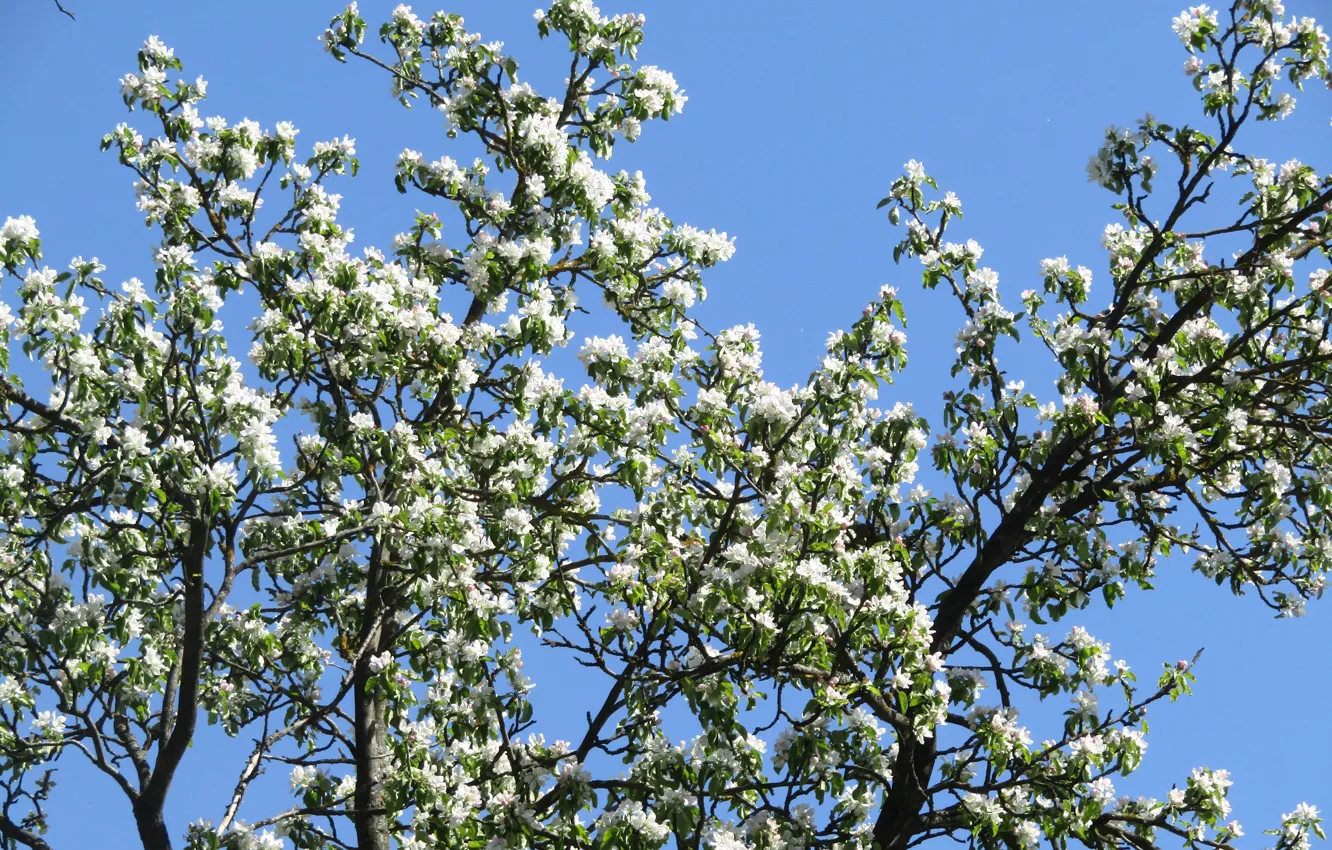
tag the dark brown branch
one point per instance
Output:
(148, 809)
(13, 832)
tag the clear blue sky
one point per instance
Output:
(799, 117)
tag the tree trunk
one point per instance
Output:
(177, 721)
(372, 823)
(152, 827)
(372, 827)
(899, 818)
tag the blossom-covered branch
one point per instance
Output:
(346, 549)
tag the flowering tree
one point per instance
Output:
(750, 564)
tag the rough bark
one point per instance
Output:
(178, 720)
(371, 709)
(372, 827)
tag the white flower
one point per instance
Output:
(517, 521)
(12, 474)
(1088, 745)
(49, 724)
(286, 131)
(303, 776)
(596, 185)
(134, 441)
(771, 404)
(1303, 812)
(157, 50)
(1188, 23)
(345, 146)
(21, 229)
(655, 87)
(1102, 789)
(707, 248)
(1028, 834)
(631, 814)
(403, 15)
(679, 292)
(1055, 267)
(1279, 474)
(623, 619)
(221, 476)
(268, 840)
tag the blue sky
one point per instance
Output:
(799, 117)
